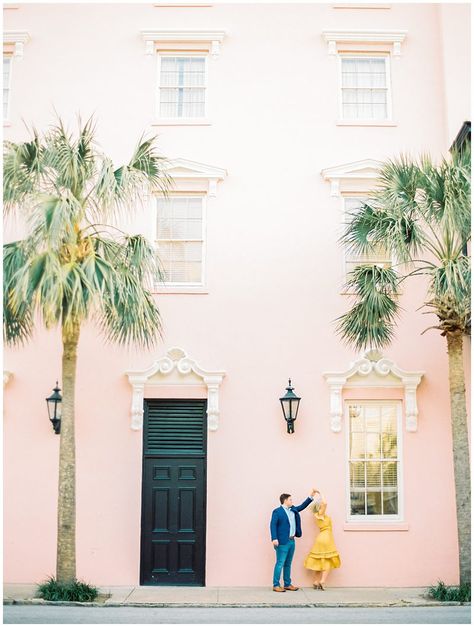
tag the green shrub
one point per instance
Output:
(442, 592)
(51, 590)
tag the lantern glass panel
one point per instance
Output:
(286, 404)
(294, 408)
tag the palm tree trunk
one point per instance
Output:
(66, 541)
(462, 475)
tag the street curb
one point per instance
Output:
(232, 605)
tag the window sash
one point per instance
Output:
(182, 86)
(384, 491)
(364, 87)
(179, 240)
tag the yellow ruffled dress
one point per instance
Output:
(323, 555)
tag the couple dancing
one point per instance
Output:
(285, 525)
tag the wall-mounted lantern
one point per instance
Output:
(290, 404)
(54, 408)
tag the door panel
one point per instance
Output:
(173, 498)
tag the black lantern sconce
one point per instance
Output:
(290, 404)
(54, 408)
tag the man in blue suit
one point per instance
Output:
(285, 525)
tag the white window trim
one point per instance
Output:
(6, 119)
(376, 518)
(372, 370)
(394, 38)
(161, 372)
(18, 38)
(212, 38)
(183, 286)
(185, 121)
(388, 121)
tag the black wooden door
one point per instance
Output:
(174, 493)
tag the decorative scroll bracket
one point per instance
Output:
(174, 360)
(377, 371)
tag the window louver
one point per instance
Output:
(176, 426)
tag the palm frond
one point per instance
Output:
(371, 320)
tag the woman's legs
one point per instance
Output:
(324, 576)
(317, 577)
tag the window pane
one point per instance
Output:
(372, 418)
(390, 474)
(357, 445)
(389, 445)
(358, 503)
(374, 474)
(389, 418)
(373, 445)
(357, 475)
(379, 111)
(390, 503)
(374, 503)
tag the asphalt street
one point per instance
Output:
(34, 614)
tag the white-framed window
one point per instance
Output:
(365, 93)
(182, 85)
(380, 255)
(7, 70)
(180, 239)
(374, 444)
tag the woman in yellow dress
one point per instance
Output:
(323, 556)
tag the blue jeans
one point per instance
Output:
(284, 557)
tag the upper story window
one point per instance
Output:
(182, 86)
(365, 93)
(7, 63)
(379, 256)
(374, 477)
(180, 239)
(184, 61)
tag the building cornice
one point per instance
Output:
(213, 38)
(373, 36)
(17, 37)
(366, 169)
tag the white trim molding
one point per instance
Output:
(7, 375)
(365, 170)
(393, 37)
(175, 361)
(213, 38)
(372, 370)
(183, 169)
(17, 37)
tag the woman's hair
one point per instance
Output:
(316, 507)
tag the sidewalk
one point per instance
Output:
(119, 596)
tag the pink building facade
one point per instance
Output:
(275, 118)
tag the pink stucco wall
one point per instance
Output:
(274, 271)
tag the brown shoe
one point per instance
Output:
(292, 588)
(278, 589)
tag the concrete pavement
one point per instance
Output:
(52, 614)
(168, 596)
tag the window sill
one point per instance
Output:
(181, 122)
(185, 289)
(388, 526)
(365, 123)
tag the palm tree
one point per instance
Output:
(421, 212)
(72, 267)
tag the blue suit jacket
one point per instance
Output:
(280, 525)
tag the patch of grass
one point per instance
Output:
(52, 590)
(442, 592)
